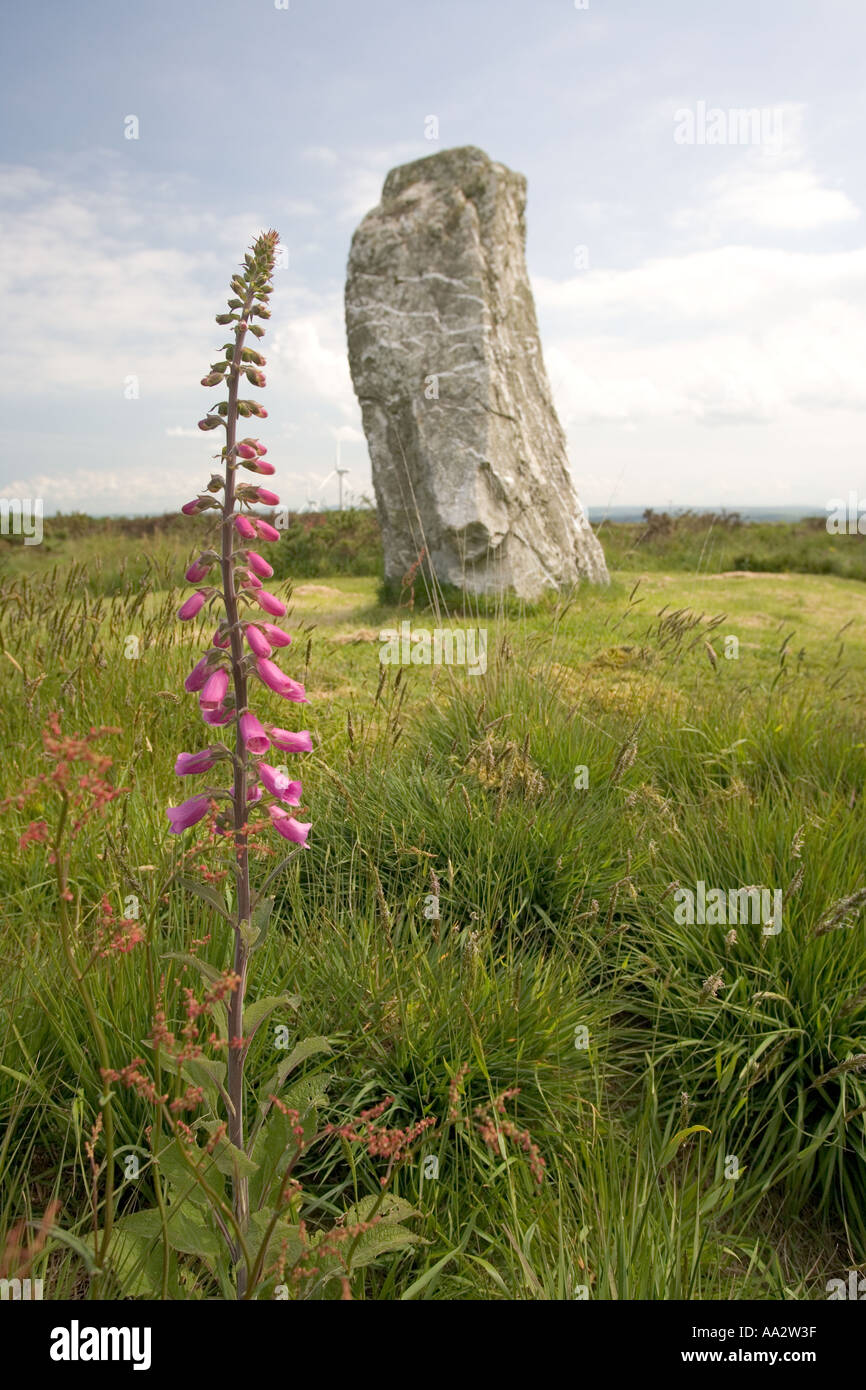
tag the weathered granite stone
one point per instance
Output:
(468, 456)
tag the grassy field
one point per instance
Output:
(488, 904)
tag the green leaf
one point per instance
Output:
(679, 1138)
(284, 1231)
(204, 890)
(175, 1170)
(220, 1015)
(207, 971)
(260, 921)
(210, 1075)
(188, 1233)
(391, 1208)
(304, 1093)
(136, 1264)
(308, 1047)
(229, 1159)
(255, 1015)
(185, 1225)
(270, 1152)
(380, 1240)
(385, 1236)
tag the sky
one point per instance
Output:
(700, 280)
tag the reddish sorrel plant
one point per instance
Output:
(77, 783)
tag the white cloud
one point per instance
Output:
(310, 351)
(771, 186)
(118, 490)
(768, 198)
(726, 336)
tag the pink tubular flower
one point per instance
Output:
(245, 451)
(270, 604)
(276, 680)
(259, 565)
(220, 715)
(254, 793)
(188, 763)
(221, 639)
(197, 571)
(289, 742)
(258, 642)
(275, 635)
(197, 676)
(288, 827)
(190, 508)
(244, 527)
(278, 784)
(266, 530)
(253, 734)
(188, 813)
(214, 690)
(250, 581)
(194, 604)
(269, 498)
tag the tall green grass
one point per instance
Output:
(555, 927)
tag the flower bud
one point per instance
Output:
(193, 605)
(198, 570)
(257, 641)
(276, 635)
(279, 682)
(266, 531)
(245, 451)
(198, 675)
(259, 565)
(212, 379)
(270, 604)
(269, 498)
(244, 527)
(209, 422)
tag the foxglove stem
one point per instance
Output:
(235, 1076)
(220, 678)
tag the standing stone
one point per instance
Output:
(468, 457)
